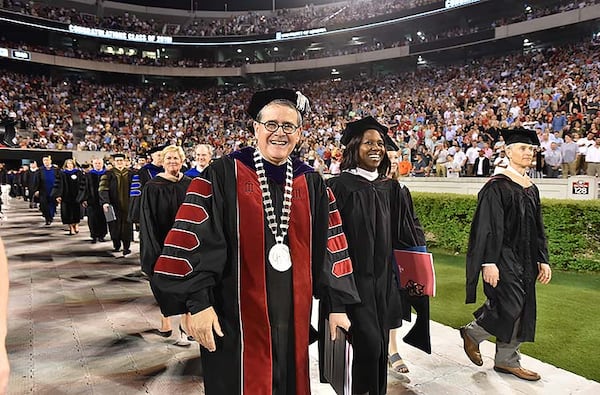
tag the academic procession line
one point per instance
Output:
(81, 321)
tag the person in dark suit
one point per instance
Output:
(481, 167)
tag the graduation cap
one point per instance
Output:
(118, 155)
(357, 128)
(155, 149)
(85, 165)
(520, 135)
(262, 98)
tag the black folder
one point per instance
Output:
(338, 354)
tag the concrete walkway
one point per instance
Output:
(81, 320)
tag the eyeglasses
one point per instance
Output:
(272, 126)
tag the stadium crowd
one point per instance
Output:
(250, 23)
(367, 45)
(433, 111)
(257, 23)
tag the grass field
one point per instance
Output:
(568, 324)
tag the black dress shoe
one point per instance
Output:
(116, 249)
(101, 239)
(471, 348)
(161, 333)
(94, 240)
(126, 252)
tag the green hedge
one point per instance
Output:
(572, 227)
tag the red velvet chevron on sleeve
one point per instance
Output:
(337, 245)
(182, 239)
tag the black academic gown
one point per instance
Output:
(89, 193)
(507, 230)
(159, 203)
(114, 190)
(33, 180)
(372, 214)
(216, 255)
(66, 186)
(138, 180)
(412, 237)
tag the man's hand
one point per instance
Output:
(201, 327)
(105, 207)
(58, 200)
(338, 319)
(491, 275)
(84, 204)
(544, 273)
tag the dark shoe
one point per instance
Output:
(520, 372)
(101, 239)
(471, 348)
(126, 252)
(94, 241)
(117, 249)
(164, 334)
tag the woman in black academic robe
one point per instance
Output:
(159, 202)
(371, 207)
(65, 191)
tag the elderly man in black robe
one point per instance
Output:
(508, 246)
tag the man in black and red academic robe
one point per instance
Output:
(226, 259)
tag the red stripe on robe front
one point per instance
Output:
(300, 240)
(256, 334)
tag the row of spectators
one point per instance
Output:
(251, 23)
(255, 23)
(555, 91)
(297, 54)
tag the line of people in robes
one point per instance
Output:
(259, 233)
(240, 250)
(219, 267)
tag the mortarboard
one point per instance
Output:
(262, 98)
(155, 149)
(520, 135)
(118, 155)
(357, 128)
(85, 165)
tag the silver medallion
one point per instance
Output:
(280, 258)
